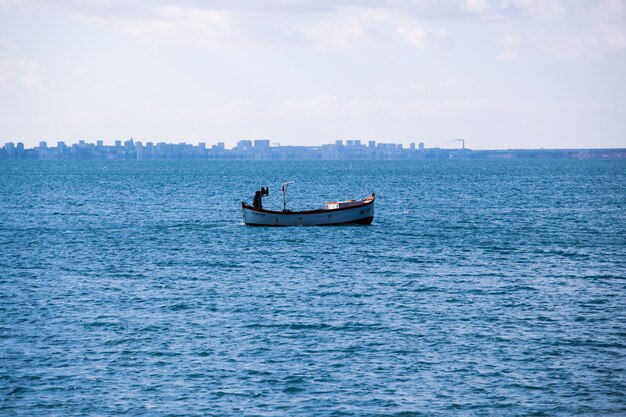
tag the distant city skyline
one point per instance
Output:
(519, 74)
(262, 149)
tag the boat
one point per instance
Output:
(333, 213)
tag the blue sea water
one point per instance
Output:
(481, 288)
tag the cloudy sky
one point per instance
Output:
(498, 73)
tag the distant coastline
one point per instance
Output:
(260, 149)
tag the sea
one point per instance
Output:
(488, 288)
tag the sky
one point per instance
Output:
(498, 73)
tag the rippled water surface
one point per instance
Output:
(481, 288)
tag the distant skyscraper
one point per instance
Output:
(421, 146)
(140, 150)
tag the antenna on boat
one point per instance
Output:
(284, 188)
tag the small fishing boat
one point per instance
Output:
(333, 213)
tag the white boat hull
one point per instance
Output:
(360, 214)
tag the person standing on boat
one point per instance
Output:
(258, 197)
(257, 202)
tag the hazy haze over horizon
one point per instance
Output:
(498, 73)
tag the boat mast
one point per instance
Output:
(285, 185)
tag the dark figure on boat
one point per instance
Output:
(258, 197)
(257, 202)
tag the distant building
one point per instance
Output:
(244, 145)
(140, 151)
(9, 147)
(421, 146)
(261, 143)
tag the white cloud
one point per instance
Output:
(510, 45)
(335, 34)
(612, 36)
(351, 27)
(414, 35)
(175, 25)
(535, 9)
(540, 9)
(607, 11)
(325, 25)
(19, 71)
(475, 6)
(508, 55)
(343, 24)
